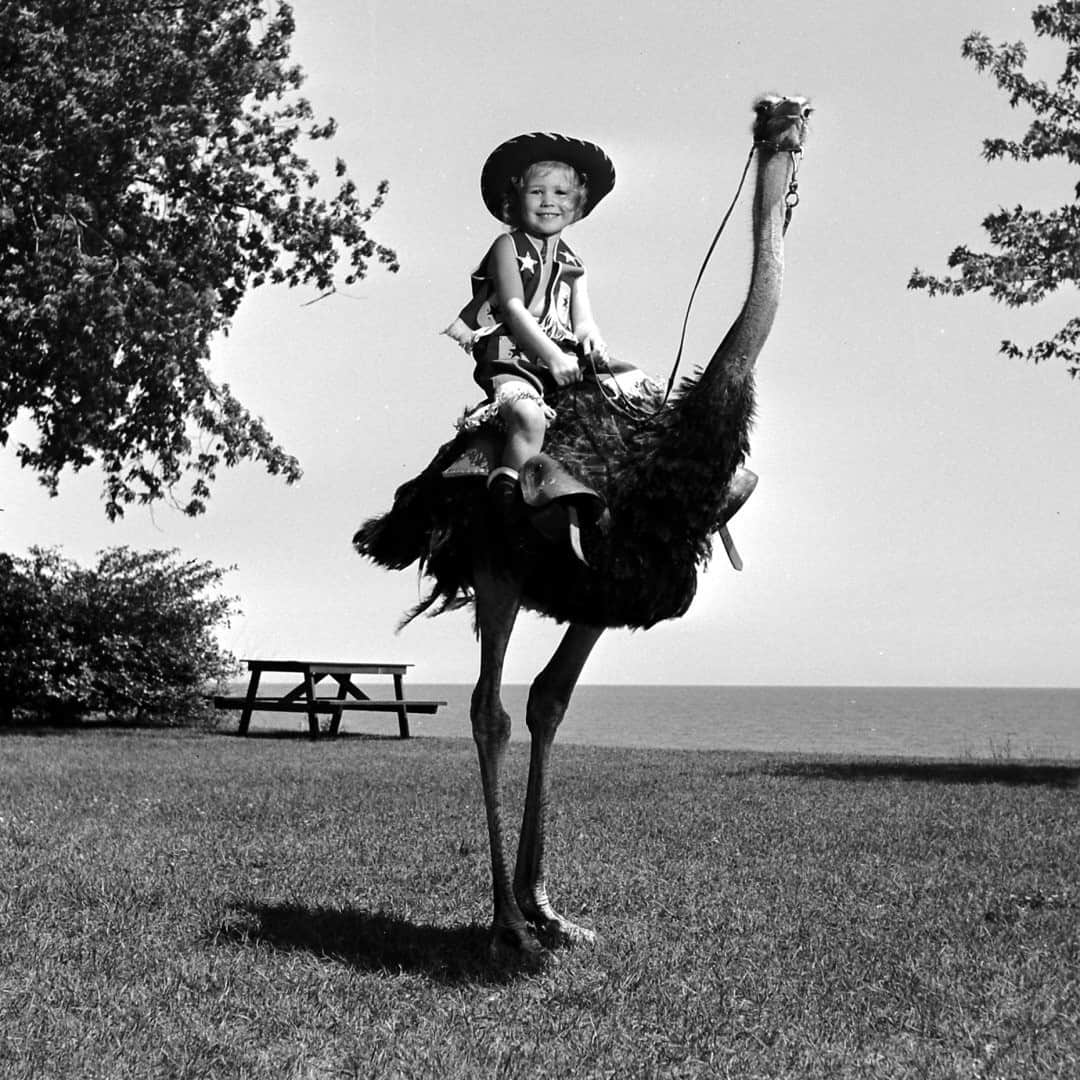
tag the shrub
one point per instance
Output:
(131, 638)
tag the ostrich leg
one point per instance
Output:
(497, 603)
(548, 699)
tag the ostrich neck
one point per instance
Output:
(743, 342)
(706, 430)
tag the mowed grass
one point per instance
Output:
(198, 905)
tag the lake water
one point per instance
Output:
(847, 720)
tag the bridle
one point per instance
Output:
(614, 397)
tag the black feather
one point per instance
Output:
(664, 480)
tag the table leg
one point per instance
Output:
(252, 693)
(335, 716)
(402, 711)
(312, 715)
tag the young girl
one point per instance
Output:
(530, 321)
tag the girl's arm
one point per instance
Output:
(581, 316)
(520, 322)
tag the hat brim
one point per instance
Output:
(514, 156)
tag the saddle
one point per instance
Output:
(557, 504)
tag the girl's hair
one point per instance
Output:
(511, 202)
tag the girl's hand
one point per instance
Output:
(564, 369)
(593, 346)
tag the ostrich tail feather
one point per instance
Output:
(427, 525)
(399, 537)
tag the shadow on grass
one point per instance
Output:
(43, 730)
(1016, 773)
(367, 940)
(305, 736)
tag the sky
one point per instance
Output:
(919, 502)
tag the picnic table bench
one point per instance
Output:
(304, 698)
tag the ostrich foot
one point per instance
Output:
(554, 931)
(560, 933)
(517, 946)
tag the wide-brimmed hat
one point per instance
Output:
(514, 156)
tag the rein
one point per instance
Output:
(615, 398)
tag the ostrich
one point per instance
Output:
(665, 479)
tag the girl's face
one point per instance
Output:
(549, 199)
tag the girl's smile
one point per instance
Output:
(549, 200)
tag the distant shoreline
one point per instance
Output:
(921, 722)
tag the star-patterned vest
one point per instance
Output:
(479, 328)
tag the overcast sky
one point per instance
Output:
(919, 505)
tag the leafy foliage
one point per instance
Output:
(1035, 252)
(149, 177)
(131, 638)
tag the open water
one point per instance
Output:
(845, 720)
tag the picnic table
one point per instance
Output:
(304, 697)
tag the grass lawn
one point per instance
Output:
(198, 905)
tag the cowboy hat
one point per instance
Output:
(513, 157)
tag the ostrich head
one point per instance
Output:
(781, 121)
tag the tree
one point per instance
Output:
(131, 638)
(150, 175)
(1035, 252)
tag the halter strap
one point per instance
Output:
(617, 400)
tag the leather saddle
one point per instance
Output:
(557, 504)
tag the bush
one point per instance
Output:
(130, 639)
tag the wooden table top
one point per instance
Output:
(329, 667)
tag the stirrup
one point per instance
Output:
(739, 490)
(558, 502)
